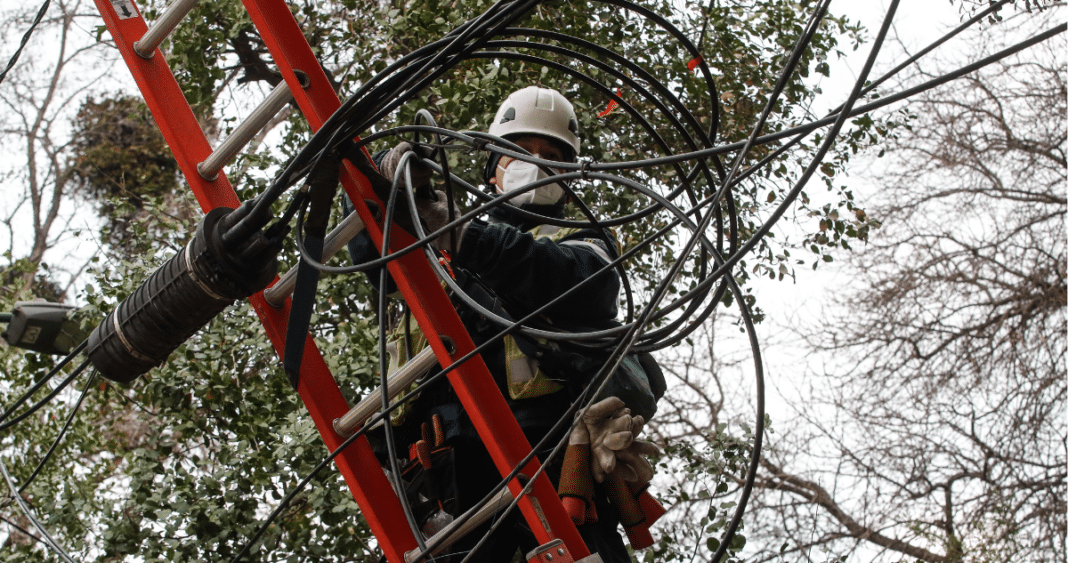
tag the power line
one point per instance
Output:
(62, 433)
(32, 409)
(25, 38)
(479, 39)
(723, 265)
(45, 536)
(40, 382)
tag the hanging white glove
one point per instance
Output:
(608, 423)
(612, 432)
(630, 461)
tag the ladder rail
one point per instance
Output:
(416, 280)
(314, 95)
(433, 311)
(318, 388)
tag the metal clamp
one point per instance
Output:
(553, 552)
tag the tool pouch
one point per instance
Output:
(639, 382)
(431, 490)
(429, 478)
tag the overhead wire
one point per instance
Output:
(295, 490)
(42, 381)
(28, 513)
(409, 78)
(397, 89)
(736, 175)
(16, 496)
(51, 395)
(383, 357)
(23, 531)
(607, 368)
(698, 154)
(61, 434)
(25, 39)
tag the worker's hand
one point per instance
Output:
(391, 163)
(435, 215)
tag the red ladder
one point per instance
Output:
(307, 84)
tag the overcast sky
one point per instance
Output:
(917, 24)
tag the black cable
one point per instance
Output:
(336, 129)
(876, 83)
(610, 365)
(883, 101)
(63, 384)
(736, 256)
(304, 483)
(46, 537)
(24, 531)
(658, 294)
(754, 463)
(25, 38)
(555, 335)
(289, 178)
(383, 416)
(62, 433)
(723, 265)
(40, 382)
(792, 195)
(396, 89)
(571, 335)
(383, 363)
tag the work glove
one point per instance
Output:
(420, 172)
(435, 215)
(631, 462)
(612, 433)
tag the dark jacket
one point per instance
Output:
(508, 270)
(512, 272)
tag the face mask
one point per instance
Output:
(519, 174)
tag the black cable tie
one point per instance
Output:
(479, 144)
(584, 170)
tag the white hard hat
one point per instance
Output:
(537, 111)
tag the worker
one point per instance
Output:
(513, 265)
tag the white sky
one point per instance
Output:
(917, 23)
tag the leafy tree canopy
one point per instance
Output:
(182, 464)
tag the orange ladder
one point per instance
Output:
(307, 85)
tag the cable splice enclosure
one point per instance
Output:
(183, 295)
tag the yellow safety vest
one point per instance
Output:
(526, 380)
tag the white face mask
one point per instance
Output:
(520, 173)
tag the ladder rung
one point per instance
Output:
(276, 100)
(146, 46)
(335, 241)
(399, 382)
(454, 534)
